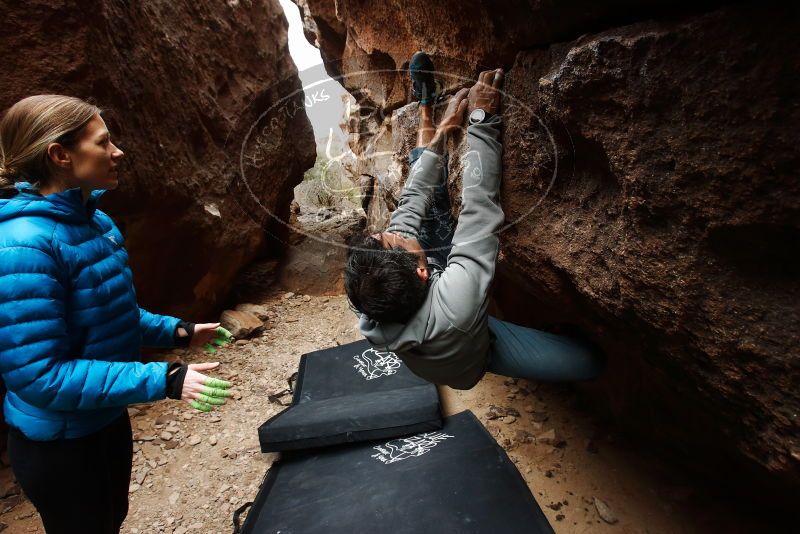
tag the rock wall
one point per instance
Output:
(650, 194)
(185, 85)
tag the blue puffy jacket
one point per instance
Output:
(70, 329)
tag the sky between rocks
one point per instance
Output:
(325, 106)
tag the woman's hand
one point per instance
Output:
(203, 333)
(208, 335)
(201, 391)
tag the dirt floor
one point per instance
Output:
(192, 470)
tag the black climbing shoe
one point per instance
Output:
(423, 84)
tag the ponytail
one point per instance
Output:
(30, 126)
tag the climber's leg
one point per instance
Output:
(426, 129)
(522, 352)
(436, 230)
(425, 133)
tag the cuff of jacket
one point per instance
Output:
(176, 374)
(184, 341)
(157, 387)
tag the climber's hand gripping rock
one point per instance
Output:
(485, 94)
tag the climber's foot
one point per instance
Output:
(423, 84)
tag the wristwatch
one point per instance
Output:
(479, 115)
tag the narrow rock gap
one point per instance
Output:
(326, 205)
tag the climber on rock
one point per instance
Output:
(421, 287)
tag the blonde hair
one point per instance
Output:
(30, 126)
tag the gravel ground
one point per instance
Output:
(192, 470)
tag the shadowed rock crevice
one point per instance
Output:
(758, 250)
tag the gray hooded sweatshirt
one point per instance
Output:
(447, 340)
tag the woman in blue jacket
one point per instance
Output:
(71, 331)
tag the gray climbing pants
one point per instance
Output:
(522, 352)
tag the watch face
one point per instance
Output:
(477, 116)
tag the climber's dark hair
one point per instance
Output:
(382, 283)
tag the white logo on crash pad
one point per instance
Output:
(413, 447)
(374, 363)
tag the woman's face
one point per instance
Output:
(94, 159)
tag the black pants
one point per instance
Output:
(77, 485)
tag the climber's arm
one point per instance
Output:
(416, 195)
(426, 173)
(464, 285)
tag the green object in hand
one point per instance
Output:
(216, 383)
(202, 406)
(221, 338)
(216, 401)
(224, 334)
(214, 392)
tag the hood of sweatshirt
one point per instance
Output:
(402, 336)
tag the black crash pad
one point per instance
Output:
(454, 480)
(352, 393)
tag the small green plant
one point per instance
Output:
(331, 184)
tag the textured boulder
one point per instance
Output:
(651, 202)
(670, 232)
(366, 41)
(241, 323)
(184, 85)
(259, 310)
